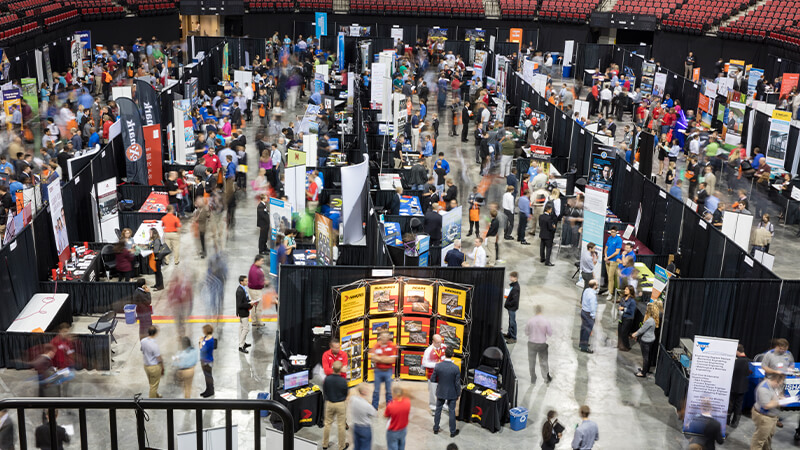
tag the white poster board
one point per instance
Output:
(712, 369)
(540, 84)
(737, 227)
(354, 179)
(107, 209)
(582, 108)
(310, 147)
(396, 34)
(213, 438)
(376, 85)
(59, 220)
(295, 187)
(118, 92)
(568, 49)
(244, 77)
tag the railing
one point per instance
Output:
(140, 406)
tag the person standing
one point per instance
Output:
(512, 305)
(43, 439)
(6, 431)
(255, 284)
(333, 354)
(172, 236)
(491, 239)
(478, 255)
(361, 415)
(384, 356)
(524, 204)
(627, 307)
(334, 388)
(433, 355)
(158, 254)
(243, 307)
(779, 360)
(708, 427)
(765, 410)
(588, 261)
(397, 411)
(586, 433)
(612, 257)
(508, 210)
(647, 335)
(184, 362)
(455, 257)
(465, 115)
(153, 364)
(547, 232)
(474, 201)
(551, 431)
(538, 330)
(739, 386)
(447, 377)
(262, 222)
(588, 314)
(207, 346)
(688, 66)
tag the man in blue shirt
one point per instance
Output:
(428, 150)
(230, 170)
(524, 204)
(612, 257)
(757, 158)
(588, 313)
(5, 164)
(627, 253)
(94, 139)
(675, 190)
(455, 257)
(511, 180)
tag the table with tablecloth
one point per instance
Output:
(306, 411)
(791, 386)
(43, 312)
(475, 407)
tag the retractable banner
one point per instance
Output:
(147, 99)
(710, 384)
(133, 140)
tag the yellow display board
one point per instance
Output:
(417, 298)
(452, 333)
(415, 331)
(352, 303)
(383, 298)
(451, 302)
(351, 338)
(411, 365)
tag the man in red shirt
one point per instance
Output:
(64, 344)
(211, 160)
(432, 356)
(397, 411)
(332, 355)
(384, 356)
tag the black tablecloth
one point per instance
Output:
(93, 271)
(306, 411)
(671, 379)
(92, 298)
(491, 414)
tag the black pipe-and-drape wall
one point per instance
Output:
(18, 277)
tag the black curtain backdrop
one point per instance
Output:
(45, 244)
(17, 350)
(18, 277)
(92, 298)
(137, 193)
(77, 195)
(787, 319)
(132, 220)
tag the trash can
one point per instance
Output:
(263, 396)
(519, 418)
(566, 72)
(130, 314)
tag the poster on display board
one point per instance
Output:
(451, 226)
(243, 77)
(710, 384)
(351, 340)
(377, 85)
(280, 217)
(12, 98)
(378, 325)
(660, 281)
(648, 76)
(452, 334)
(704, 105)
(736, 117)
(411, 365)
(479, 63)
(451, 302)
(396, 33)
(529, 68)
(735, 66)
(778, 137)
(352, 303)
(475, 34)
(436, 39)
(524, 105)
(58, 219)
(601, 172)
(324, 239)
(696, 74)
(725, 86)
(107, 209)
(788, 82)
(417, 297)
(542, 155)
(659, 84)
(226, 70)
(30, 94)
(190, 89)
(540, 84)
(752, 80)
(415, 331)
(384, 297)
(184, 132)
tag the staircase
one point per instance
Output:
(492, 8)
(606, 5)
(341, 6)
(735, 17)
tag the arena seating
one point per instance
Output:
(61, 19)
(152, 7)
(315, 5)
(697, 16)
(772, 16)
(518, 9)
(269, 5)
(424, 8)
(576, 11)
(97, 9)
(656, 8)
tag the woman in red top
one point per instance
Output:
(183, 190)
(397, 411)
(106, 126)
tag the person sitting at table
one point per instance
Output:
(123, 260)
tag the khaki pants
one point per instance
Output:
(765, 429)
(186, 376)
(255, 313)
(154, 379)
(611, 273)
(173, 241)
(336, 411)
(244, 327)
(491, 250)
(415, 138)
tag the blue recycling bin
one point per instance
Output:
(519, 418)
(130, 314)
(263, 396)
(566, 72)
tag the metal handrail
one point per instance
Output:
(140, 405)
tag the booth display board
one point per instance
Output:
(660, 281)
(529, 69)
(704, 107)
(451, 229)
(736, 117)
(734, 67)
(752, 80)
(152, 148)
(659, 83)
(426, 307)
(410, 206)
(59, 220)
(396, 33)
(712, 369)
(648, 76)
(11, 98)
(601, 172)
(324, 239)
(107, 209)
(778, 137)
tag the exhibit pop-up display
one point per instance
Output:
(412, 310)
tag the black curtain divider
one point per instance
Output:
(671, 379)
(137, 193)
(787, 318)
(648, 204)
(714, 253)
(506, 48)
(77, 196)
(132, 220)
(45, 244)
(92, 298)
(756, 305)
(17, 276)
(18, 350)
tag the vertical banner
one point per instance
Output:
(376, 85)
(704, 107)
(190, 90)
(147, 99)
(354, 179)
(58, 219)
(710, 384)
(659, 84)
(324, 239)
(662, 276)
(11, 97)
(107, 209)
(321, 24)
(601, 172)
(568, 50)
(48, 68)
(788, 82)
(752, 80)
(648, 76)
(778, 137)
(133, 141)
(340, 51)
(696, 74)
(515, 35)
(451, 230)
(280, 219)
(152, 146)
(226, 71)
(295, 187)
(30, 95)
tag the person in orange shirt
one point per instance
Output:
(172, 236)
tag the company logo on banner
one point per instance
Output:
(152, 139)
(133, 139)
(321, 21)
(788, 82)
(340, 51)
(147, 99)
(710, 383)
(778, 137)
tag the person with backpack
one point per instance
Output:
(551, 431)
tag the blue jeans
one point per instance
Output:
(362, 437)
(321, 161)
(385, 377)
(417, 187)
(396, 440)
(587, 323)
(437, 415)
(512, 324)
